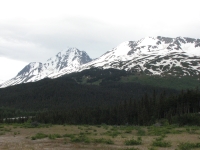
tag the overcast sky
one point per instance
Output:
(35, 30)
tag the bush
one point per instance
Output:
(133, 148)
(159, 142)
(141, 132)
(134, 142)
(187, 119)
(69, 135)
(158, 131)
(39, 136)
(112, 133)
(2, 133)
(102, 140)
(54, 136)
(80, 138)
(188, 146)
(35, 124)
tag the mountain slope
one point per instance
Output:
(162, 56)
(154, 56)
(64, 62)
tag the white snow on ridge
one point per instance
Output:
(122, 49)
(2, 81)
(145, 50)
(147, 41)
(64, 62)
(148, 54)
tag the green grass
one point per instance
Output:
(42, 135)
(126, 137)
(29, 124)
(104, 126)
(163, 130)
(113, 132)
(159, 142)
(192, 129)
(82, 137)
(158, 131)
(128, 131)
(188, 146)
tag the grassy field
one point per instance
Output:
(100, 137)
(166, 82)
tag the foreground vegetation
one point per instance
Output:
(26, 136)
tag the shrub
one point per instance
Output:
(39, 136)
(134, 142)
(158, 131)
(133, 148)
(54, 136)
(69, 135)
(188, 146)
(152, 148)
(112, 133)
(80, 138)
(102, 140)
(35, 124)
(141, 132)
(159, 142)
(2, 133)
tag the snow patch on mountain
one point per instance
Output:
(153, 55)
(1, 81)
(66, 61)
(159, 55)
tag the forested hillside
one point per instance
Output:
(182, 109)
(98, 96)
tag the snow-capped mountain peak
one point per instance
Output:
(153, 55)
(159, 55)
(66, 61)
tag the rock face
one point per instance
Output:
(151, 55)
(64, 62)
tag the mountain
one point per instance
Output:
(64, 62)
(153, 56)
(163, 56)
(1, 81)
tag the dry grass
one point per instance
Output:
(19, 138)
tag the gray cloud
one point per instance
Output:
(39, 42)
(97, 30)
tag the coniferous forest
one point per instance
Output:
(99, 96)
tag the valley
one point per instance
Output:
(140, 95)
(100, 137)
